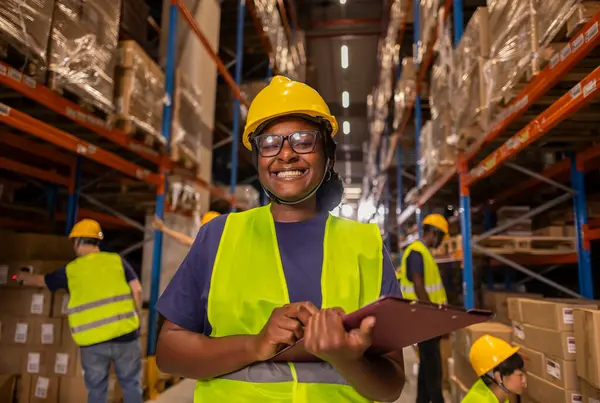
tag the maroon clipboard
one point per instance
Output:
(399, 323)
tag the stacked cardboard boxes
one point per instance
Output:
(587, 335)
(499, 303)
(544, 330)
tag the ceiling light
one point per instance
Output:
(345, 99)
(344, 56)
(342, 1)
(346, 127)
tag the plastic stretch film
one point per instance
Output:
(428, 14)
(519, 29)
(405, 91)
(83, 49)
(188, 126)
(140, 87)
(25, 25)
(467, 94)
(435, 152)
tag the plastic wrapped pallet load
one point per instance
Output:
(188, 125)
(83, 49)
(428, 14)
(139, 91)
(519, 30)
(25, 26)
(405, 91)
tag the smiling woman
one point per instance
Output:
(257, 281)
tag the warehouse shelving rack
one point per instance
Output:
(95, 140)
(580, 46)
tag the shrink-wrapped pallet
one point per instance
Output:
(468, 94)
(405, 91)
(428, 15)
(519, 30)
(436, 154)
(188, 126)
(25, 26)
(140, 87)
(83, 49)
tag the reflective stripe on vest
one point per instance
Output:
(432, 278)
(306, 372)
(101, 306)
(248, 282)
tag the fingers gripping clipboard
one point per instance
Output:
(399, 323)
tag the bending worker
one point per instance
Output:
(420, 279)
(105, 297)
(256, 281)
(181, 237)
(499, 368)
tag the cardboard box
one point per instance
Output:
(72, 390)
(514, 308)
(10, 359)
(535, 361)
(60, 303)
(66, 362)
(464, 338)
(10, 269)
(67, 339)
(561, 373)
(30, 331)
(37, 361)
(587, 334)
(22, 247)
(497, 301)
(542, 391)
(8, 384)
(550, 342)
(38, 389)
(590, 393)
(463, 370)
(26, 301)
(552, 314)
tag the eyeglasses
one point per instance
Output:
(302, 142)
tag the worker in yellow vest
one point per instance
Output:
(105, 297)
(420, 279)
(499, 368)
(256, 281)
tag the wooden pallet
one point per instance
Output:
(505, 245)
(131, 129)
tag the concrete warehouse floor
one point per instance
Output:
(183, 392)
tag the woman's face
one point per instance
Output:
(515, 382)
(291, 175)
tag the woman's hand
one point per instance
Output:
(326, 338)
(158, 224)
(284, 327)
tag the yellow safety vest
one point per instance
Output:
(101, 306)
(248, 282)
(433, 280)
(480, 393)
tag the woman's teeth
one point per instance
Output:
(289, 174)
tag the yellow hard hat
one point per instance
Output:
(488, 352)
(285, 97)
(87, 228)
(208, 216)
(438, 221)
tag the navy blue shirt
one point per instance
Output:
(58, 280)
(414, 264)
(184, 301)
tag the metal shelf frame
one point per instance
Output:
(571, 169)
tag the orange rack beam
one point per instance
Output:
(579, 47)
(53, 101)
(579, 96)
(34, 172)
(71, 143)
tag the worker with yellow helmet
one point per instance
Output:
(499, 368)
(105, 297)
(256, 281)
(420, 279)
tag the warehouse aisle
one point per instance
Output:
(184, 390)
